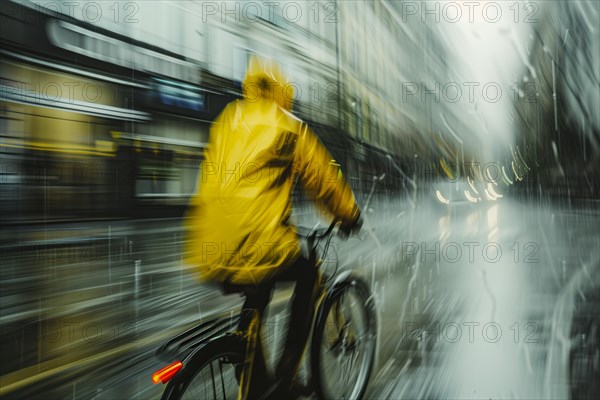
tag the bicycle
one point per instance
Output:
(213, 350)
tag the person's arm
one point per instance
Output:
(322, 178)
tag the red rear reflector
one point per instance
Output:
(163, 375)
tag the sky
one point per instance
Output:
(488, 42)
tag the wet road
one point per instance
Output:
(474, 301)
(481, 318)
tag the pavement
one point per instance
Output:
(474, 301)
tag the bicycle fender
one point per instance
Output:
(340, 282)
(343, 280)
(204, 345)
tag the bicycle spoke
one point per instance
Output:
(341, 369)
(222, 380)
(345, 377)
(214, 386)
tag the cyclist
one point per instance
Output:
(238, 227)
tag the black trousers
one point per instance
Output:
(304, 273)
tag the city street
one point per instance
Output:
(146, 144)
(473, 302)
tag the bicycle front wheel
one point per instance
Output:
(210, 373)
(343, 345)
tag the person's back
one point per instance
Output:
(238, 228)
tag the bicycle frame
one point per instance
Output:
(252, 332)
(192, 341)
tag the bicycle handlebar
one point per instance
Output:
(317, 233)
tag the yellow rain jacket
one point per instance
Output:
(237, 226)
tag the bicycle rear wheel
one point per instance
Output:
(343, 345)
(210, 373)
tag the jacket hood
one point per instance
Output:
(264, 79)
